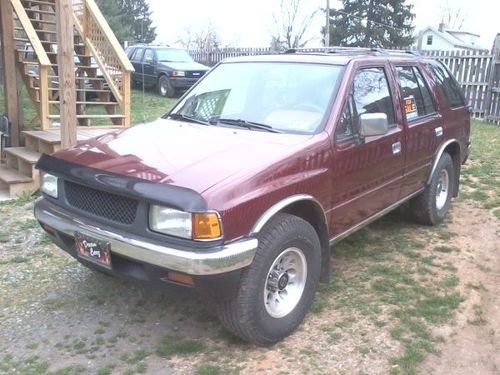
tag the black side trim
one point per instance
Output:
(168, 195)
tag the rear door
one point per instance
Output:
(136, 60)
(367, 172)
(149, 62)
(424, 125)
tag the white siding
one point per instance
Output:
(438, 42)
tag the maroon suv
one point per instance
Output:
(243, 187)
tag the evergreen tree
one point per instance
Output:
(137, 15)
(113, 14)
(372, 23)
(130, 20)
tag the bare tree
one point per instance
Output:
(453, 16)
(206, 39)
(292, 24)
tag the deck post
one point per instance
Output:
(9, 68)
(66, 64)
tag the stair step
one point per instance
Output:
(43, 21)
(48, 12)
(52, 138)
(85, 103)
(90, 117)
(89, 90)
(39, 2)
(82, 78)
(37, 30)
(23, 153)
(11, 176)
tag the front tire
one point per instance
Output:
(277, 289)
(432, 205)
(165, 88)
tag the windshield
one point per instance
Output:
(173, 55)
(287, 97)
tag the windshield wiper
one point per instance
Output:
(242, 124)
(181, 117)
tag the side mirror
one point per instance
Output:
(372, 124)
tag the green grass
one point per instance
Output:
(481, 175)
(145, 108)
(171, 346)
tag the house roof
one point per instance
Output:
(450, 38)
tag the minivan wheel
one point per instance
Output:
(432, 205)
(165, 88)
(277, 289)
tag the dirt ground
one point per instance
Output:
(57, 316)
(472, 343)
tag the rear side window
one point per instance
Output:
(370, 94)
(137, 55)
(449, 85)
(416, 95)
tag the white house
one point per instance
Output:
(444, 39)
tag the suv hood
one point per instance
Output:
(183, 154)
(191, 65)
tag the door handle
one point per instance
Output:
(396, 148)
(438, 131)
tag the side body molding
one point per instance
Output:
(268, 215)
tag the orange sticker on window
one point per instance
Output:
(410, 107)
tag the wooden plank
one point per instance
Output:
(67, 86)
(23, 153)
(30, 32)
(9, 70)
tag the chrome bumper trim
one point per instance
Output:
(212, 261)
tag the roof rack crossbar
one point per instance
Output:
(352, 50)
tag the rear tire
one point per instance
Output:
(432, 205)
(277, 289)
(165, 88)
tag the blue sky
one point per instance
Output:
(250, 23)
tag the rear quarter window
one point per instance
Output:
(451, 89)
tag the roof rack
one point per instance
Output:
(352, 51)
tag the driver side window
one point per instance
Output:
(369, 94)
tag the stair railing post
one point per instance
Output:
(43, 74)
(66, 64)
(9, 70)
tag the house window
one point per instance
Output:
(429, 40)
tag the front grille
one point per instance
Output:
(100, 203)
(195, 74)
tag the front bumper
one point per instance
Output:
(212, 261)
(183, 83)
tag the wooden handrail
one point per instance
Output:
(43, 59)
(110, 36)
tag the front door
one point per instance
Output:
(148, 64)
(367, 172)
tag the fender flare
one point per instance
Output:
(271, 212)
(439, 153)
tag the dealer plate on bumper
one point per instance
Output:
(93, 250)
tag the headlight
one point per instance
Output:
(204, 226)
(178, 73)
(170, 221)
(49, 185)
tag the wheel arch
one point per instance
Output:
(309, 209)
(454, 149)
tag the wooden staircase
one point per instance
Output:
(102, 78)
(18, 174)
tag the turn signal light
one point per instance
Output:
(206, 226)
